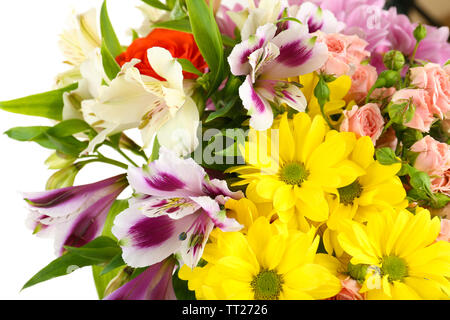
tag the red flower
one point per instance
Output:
(180, 44)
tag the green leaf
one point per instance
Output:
(26, 133)
(69, 127)
(67, 263)
(156, 4)
(56, 138)
(115, 263)
(439, 201)
(101, 278)
(108, 34)
(189, 67)
(48, 105)
(421, 182)
(208, 38)
(222, 111)
(110, 65)
(155, 150)
(401, 113)
(386, 156)
(181, 289)
(118, 207)
(179, 25)
(105, 249)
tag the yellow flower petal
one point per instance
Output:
(284, 198)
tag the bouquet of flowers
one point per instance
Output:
(287, 150)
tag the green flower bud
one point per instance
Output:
(322, 92)
(59, 160)
(122, 278)
(420, 33)
(64, 177)
(388, 79)
(394, 60)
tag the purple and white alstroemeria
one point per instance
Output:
(155, 283)
(75, 215)
(316, 18)
(268, 60)
(176, 209)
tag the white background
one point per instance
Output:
(29, 61)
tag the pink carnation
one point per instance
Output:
(345, 53)
(423, 117)
(364, 121)
(436, 81)
(434, 157)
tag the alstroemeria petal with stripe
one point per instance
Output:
(74, 215)
(169, 176)
(174, 213)
(258, 108)
(155, 283)
(300, 54)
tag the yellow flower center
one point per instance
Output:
(395, 267)
(267, 285)
(349, 193)
(294, 173)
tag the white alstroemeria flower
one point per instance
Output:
(255, 16)
(268, 60)
(81, 38)
(132, 100)
(316, 18)
(151, 15)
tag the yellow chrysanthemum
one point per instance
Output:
(378, 189)
(339, 89)
(294, 166)
(246, 211)
(270, 262)
(399, 255)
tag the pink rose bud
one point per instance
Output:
(436, 81)
(434, 157)
(364, 121)
(423, 117)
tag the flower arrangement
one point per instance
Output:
(289, 150)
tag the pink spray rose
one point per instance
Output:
(434, 157)
(436, 81)
(364, 121)
(362, 80)
(423, 117)
(345, 53)
(441, 184)
(388, 140)
(444, 235)
(350, 290)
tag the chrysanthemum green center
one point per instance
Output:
(267, 285)
(294, 173)
(349, 193)
(357, 272)
(395, 267)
